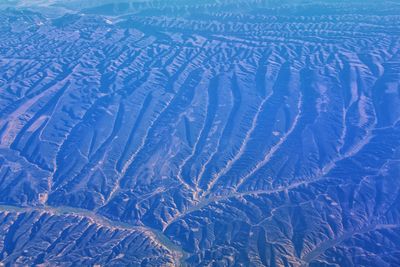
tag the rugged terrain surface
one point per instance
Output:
(214, 133)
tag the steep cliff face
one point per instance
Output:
(220, 133)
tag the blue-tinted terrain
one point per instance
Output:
(200, 133)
